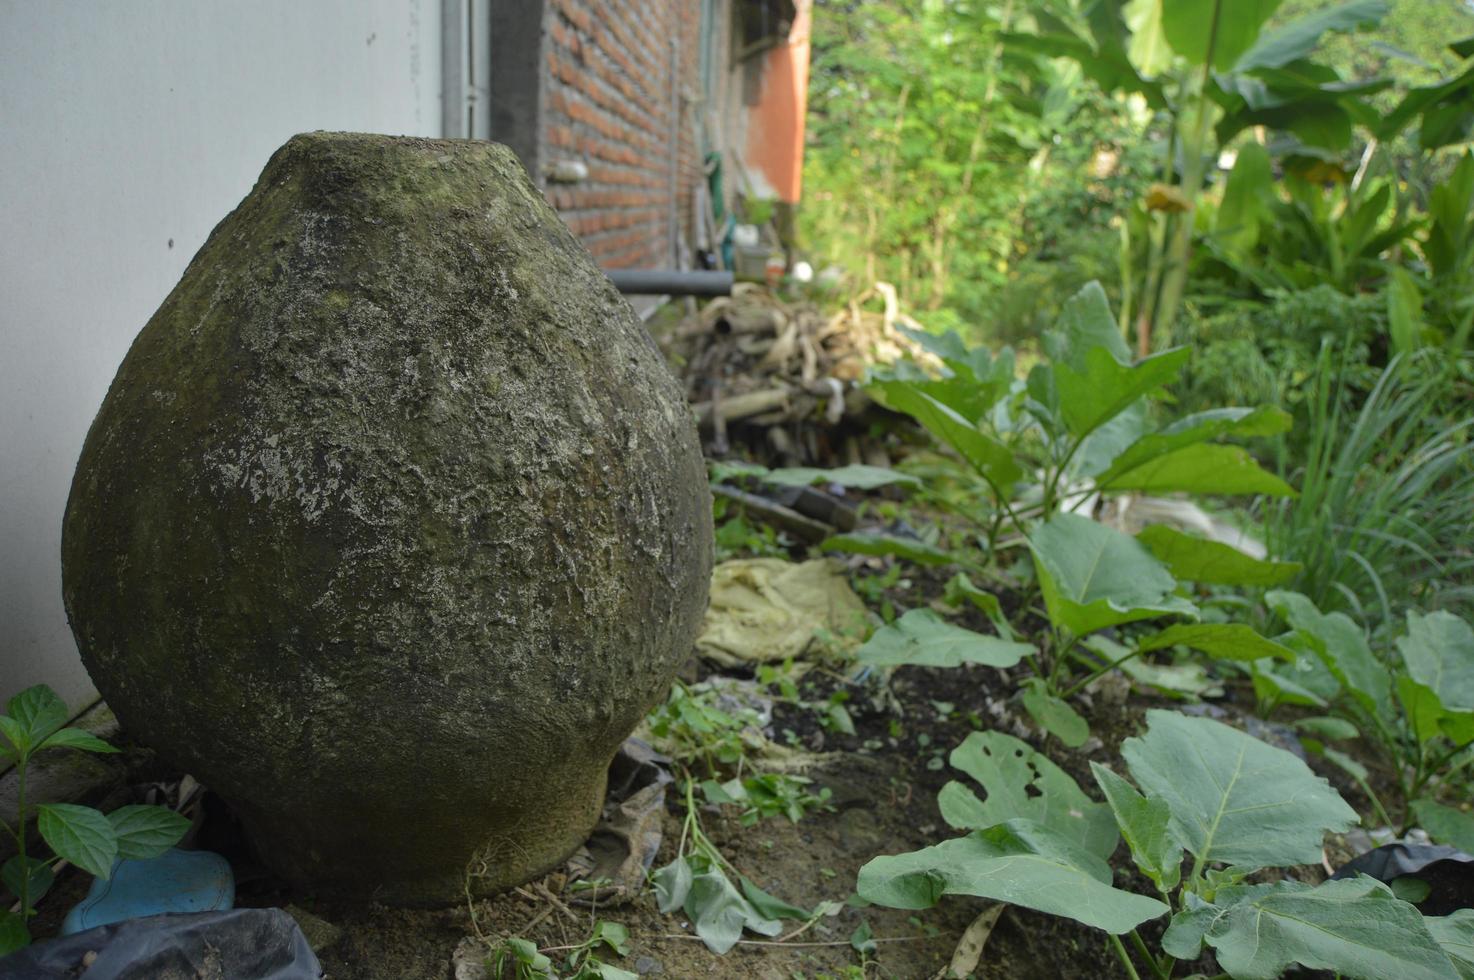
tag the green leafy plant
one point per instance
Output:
(699, 881)
(515, 958)
(1416, 706)
(1384, 490)
(697, 727)
(1211, 70)
(1228, 803)
(1079, 427)
(35, 722)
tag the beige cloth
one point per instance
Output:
(765, 610)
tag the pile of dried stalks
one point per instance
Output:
(777, 381)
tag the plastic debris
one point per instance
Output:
(239, 944)
(174, 882)
(766, 610)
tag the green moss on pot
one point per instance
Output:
(393, 523)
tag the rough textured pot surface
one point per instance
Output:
(393, 522)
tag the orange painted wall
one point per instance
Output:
(775, 127)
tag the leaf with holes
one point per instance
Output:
(1234, 799)
(1021, 862)
(1020, 782)
(921, 638)
(1093, 576)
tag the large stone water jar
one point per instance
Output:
(393, 523)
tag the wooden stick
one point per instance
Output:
(777, 515)
(743, 406)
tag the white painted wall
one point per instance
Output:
(128, 129)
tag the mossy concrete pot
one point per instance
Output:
(393, 523)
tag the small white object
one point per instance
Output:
(803, 272)
(567, 171)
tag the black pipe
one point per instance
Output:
(670, 282)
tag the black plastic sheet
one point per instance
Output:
(239, 944)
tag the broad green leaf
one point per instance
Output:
(1354, 927)
(1149, 50)
(1190, 27)
(1342, 646)
(1445, 824)
(1055, 716)
(1404, 311)
(1234, 799)
(1328, 727)
(38, 711)
(1196, 559)
(79, 834)
(15, 733)
(1204, 468)
(1103, 386)
(1085, 324)
(1020, 862)
(1189, 927)
(672, 884)
(146, 831)
(607, 971)
(13, 875)
(1248, 201)
(76, 738)
(855, 476)
(921, 638)
(1143, 822)
(1421, 708)
(960, 587)
(1223, 641)
(1276, 686)
(987, 455)
(1019, 782)
(13, 932)
(1110, 440)
(982, 377)
(1455, 933)
(1188, 680)
(769, 906)
(1198, 428)
(1093, 576)
(1299, 38)
(719, 913)
(1439, 652)
(885, 544)
(719, 471)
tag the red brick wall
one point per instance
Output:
(608, 105)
